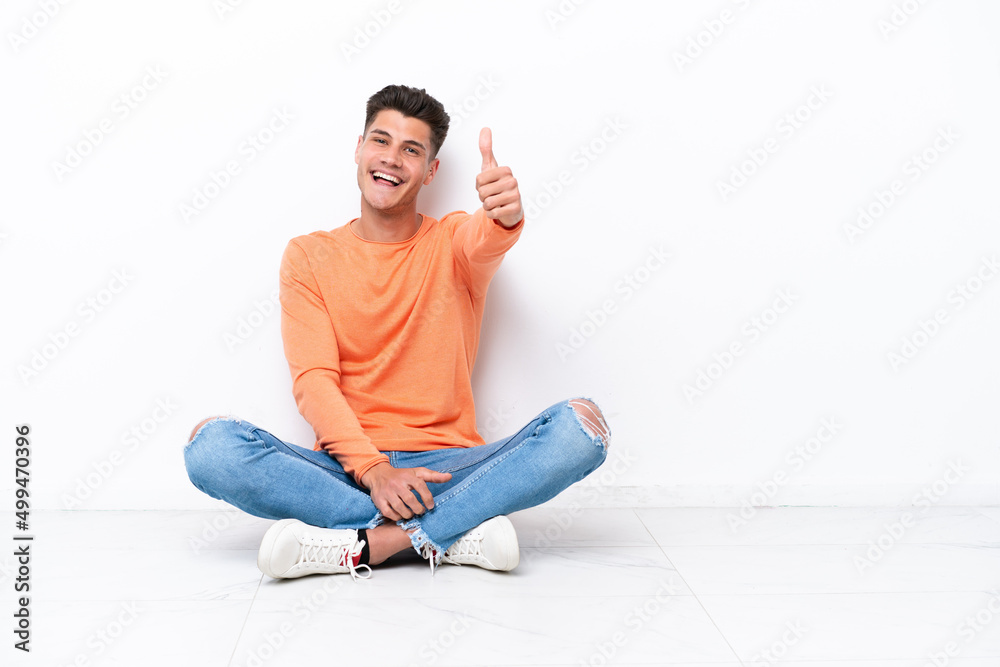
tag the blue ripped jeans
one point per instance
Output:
(233, 460)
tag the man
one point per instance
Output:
(380, 321)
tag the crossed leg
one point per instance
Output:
(389, 538)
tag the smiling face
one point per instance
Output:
(394, 162)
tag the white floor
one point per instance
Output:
(791, 586)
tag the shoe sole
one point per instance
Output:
(267, 548)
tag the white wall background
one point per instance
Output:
(550, 78)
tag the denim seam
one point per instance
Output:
(315, 463)
(469, 464)
(293, 452)
(482, 471)
(544, 415)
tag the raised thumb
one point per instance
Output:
(486, 148)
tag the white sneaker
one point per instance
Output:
(291, 548)
(492, 545)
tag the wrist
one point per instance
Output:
(506, 225)
(368, 479)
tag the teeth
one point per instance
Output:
(393, 179)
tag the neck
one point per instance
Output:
(385, 226)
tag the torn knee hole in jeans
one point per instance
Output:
(592, 420)
(206, 422)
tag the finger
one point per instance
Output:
(408, 504)
(486, 148)
(507, 214)
(388, 512)
(401, 509)
(498, 199)
(433, 476)
(497, 181)
(420, 489)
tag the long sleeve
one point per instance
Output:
(310, 344)
(479, 245)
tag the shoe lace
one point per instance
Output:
(470, 544)
(428, 553)
(323, 552)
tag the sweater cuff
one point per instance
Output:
(509, 229)
(360, 472)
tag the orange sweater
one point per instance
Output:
(381, 338)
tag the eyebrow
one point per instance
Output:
(407, 141)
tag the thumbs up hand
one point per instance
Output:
(497, 187)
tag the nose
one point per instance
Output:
(391, 156)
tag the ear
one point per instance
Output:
(357, 151)
(431, 171)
